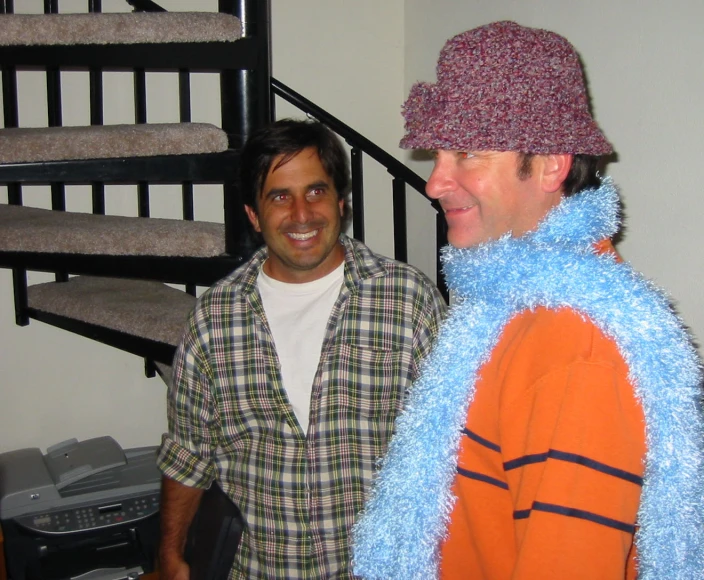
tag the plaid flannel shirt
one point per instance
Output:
(230, 420)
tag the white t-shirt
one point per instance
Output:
(298, 315)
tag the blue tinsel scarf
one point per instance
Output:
(399, 534)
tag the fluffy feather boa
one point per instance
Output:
(398, 535)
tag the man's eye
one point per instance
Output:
(464, 154)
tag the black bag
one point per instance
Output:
(213, 536)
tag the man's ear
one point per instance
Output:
(555, 168)
(253, 218)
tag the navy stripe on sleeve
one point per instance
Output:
(573, 458)
(482, 477)
(575, 513)
(485, 442)
(525, 460)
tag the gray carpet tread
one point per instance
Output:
(122, 28)
(27, 145)
(149, 310)
(28, 229)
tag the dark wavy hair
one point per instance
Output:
(583, 174)
(288, 137)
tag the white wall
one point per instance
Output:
(55, 385)
(347, 57)
(646, 75)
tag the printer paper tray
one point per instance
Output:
(116, 553)
(130, 550)
(111, 574)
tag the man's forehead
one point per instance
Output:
(283, 159)
(306, 162)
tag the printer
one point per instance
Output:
(85, 510)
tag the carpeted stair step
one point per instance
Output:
(122, 154)
(159, 249)
(158, 152)
(29, 229)
(141, 317)
(197, 40)
(122, 28)
(106, 141)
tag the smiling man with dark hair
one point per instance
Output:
(293, 369)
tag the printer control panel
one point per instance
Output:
(77, 519)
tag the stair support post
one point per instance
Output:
(149, 368)
(140, 117)
(246, 94)
(357, 165)
(55, 119)
(400, 226)
(246, 104)
(14, 190)
(184, 104)
(96, 115)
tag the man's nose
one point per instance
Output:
(301, 210)
(441, 180)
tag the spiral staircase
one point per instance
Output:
(130, 282)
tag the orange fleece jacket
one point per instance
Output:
(551, 461)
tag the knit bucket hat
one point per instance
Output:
(504, 87)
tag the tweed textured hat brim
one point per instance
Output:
(504, 87)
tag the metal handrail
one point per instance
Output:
(401, 175)
(355, 139)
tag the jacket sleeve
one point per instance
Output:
(573, 445)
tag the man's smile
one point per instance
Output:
(456, 210)
(302, 236)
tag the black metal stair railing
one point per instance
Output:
(401, 174)
(247, 96)
(96, 115)
(244, 69)
(14, 190)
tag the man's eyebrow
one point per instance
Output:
(321, 184)
(318, 185)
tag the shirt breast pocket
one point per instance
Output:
(367, 382)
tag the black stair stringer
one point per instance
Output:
(142, 317)
(143, 347)
(202, 168)
(176, 270)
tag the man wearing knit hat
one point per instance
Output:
(556, 430)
